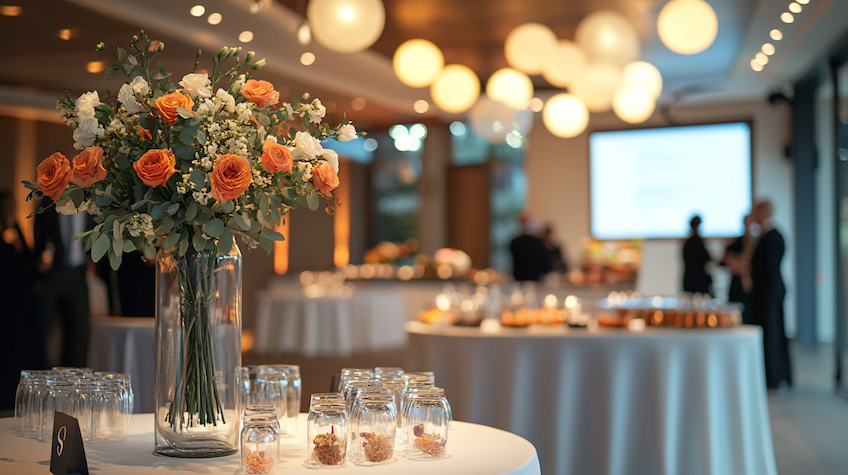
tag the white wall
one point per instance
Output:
(558, 174)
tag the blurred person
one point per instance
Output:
(737, 258)
(555, 254)
(23, 315)
(695, 260)
(530, 260)
(767, 294)
(62, 261)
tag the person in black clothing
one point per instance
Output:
(555, 254)
(695, 259)
(530, 260)
(737, 258)
(767, 294)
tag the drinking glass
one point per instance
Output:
(427, 428)
(326, 428)
(260, 444)
(388, 371)
(82, 408)
(108, 415)
(263, 411)
(324, 398)
(293, 394)
(34, 408)
(373, 430)
(58, 399)
(264, 386)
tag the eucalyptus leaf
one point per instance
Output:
(129, 246)
(214, 228)
(274, 235)
(149, 251)
(172, 210)
(171, 240)
(115, 260)
(198, 242)
(158, 211)
(100, 247)
(185, 114)
(312, 201)
(192, 210)
(228, 206)
(183, 247)
(225, 242)
(265, 243)
(243, 221)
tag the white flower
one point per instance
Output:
(126, 97)
(140, 86)
(306, 169)
(289, 110)
(229, 101)
(346, 133)
(89, 100)
(197, 85)
(306, 146)
(331, 157)
(316, 112)
(236, 86)
(86, 132)
(88, 126)
(93, 209)
(243, 111)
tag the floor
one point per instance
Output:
(809, 423)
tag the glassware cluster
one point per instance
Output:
(102, 402)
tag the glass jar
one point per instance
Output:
(293, 394)
(427, 428)
(373, 430)
(326, 428)
(264, 411)
(260, 445)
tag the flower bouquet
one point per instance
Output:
(186, 168)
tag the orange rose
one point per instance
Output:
(88, 167)
(155, 167)
(276, 157)
(261, 93)
(167, 106)
(230, 177)
(54, 173)
(324, 178)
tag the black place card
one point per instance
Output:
(67, 453)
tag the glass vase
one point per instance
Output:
(198, 353)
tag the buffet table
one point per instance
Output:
(126, 345)
(660, 401)
(473, 449)
(290, 322)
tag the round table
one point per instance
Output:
(473, 449)
(613, 401)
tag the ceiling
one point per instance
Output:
(36, 64)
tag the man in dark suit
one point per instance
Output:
(62, 261)
(695, 260)
(530, 258)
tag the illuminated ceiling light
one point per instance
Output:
(370, 144)
(536, 104)
(304, 34)
(95, 66)
(528, 47)
(10, 10)
(65, 34)
(214, 18)
(776, 35)
(457, 128)
(756, 66)
(246, 36)
(197, 10)
(633, 106)
(687, 26)
(564, 65)
(357, 104)
(307, 58)
(787, 17)
(565, 116)
(803, 2)
(421, 106)
(346, 26)
(596, 86)
(761, 58)
(607, 36)
(644, 76)
(417, 62)
(794, 7)
(510, 86)
(768, 49)
(456, 89)
(491, 120)
(419, 131)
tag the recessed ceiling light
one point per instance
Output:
(307, 58)
(536, 104)
(65, 34)
(246, 36)
(768, 49)
(794, 7)
(95, 66)
(214, 18)
(304, 34)
(776, 35)
(197, 10)
(787, 17)
(756, 66)
(761, 58)
(10, 10)
(421, 106)
(357, 104)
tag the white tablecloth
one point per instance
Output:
(126, 345)
(663, 401)
(473, 449)
(289, 322)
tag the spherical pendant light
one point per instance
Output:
(607, 36)
(528, 47)
(510, 86)
(418, 62)
(642, 75)
(597, 85)
(491, 120)
(346, 26)
(633, 106)
(456, 89)
(564, 65)
(565, 116)
(687, 26)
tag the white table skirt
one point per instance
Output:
(473, 449)
(663, 401)
(126, 345)
(291, 323)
